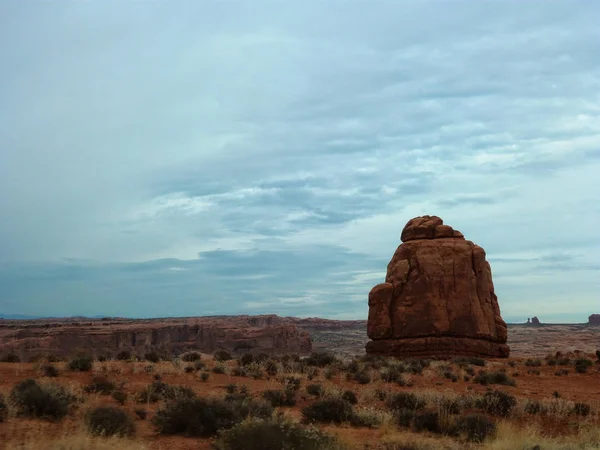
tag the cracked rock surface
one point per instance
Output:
(438, 298)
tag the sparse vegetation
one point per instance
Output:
(10, 358)
(48, 401)
(222, 355)
(109, 421)
(81, 364)
(100, 385)
(497, 402)
(329, 410)
(3, 409)
(497, 377)
(48, 370)
(191, 357)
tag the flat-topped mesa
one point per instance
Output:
(438, 298)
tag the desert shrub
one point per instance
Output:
(189, 369)
(274, 434)
(533, 407)
(427, 421)
(598, 354)
(561, 372)
(497, 377)
(405, 400)
(81, 364)
(120, 397)
(381, 394)
(123, 355)
(416, 367)
(219, 369)
(390, 374)
(10, 358)
(152, 357)
(246, 359)
(448, 374)
(204, 376)
(41, 401)
(202, 417)
(533, 372)
(271, 368)
(140, 413)
(470, 371)
(315, 389)
(473, 360)
(222, 355)
(404, 416)
(533, 362)
(552, 361)
(362, 377)
(3, 409)
(320, 359)
(48, 370)
(477, 427)
(497, 402)
(231, 388)
(100, 385)
(350, 397)
(563, 361)
(352, 366)
(582, 409)
(329, 372)
(191, 357)
(312, 372)
(158, 390)
(284, 397)
(331, 410)
(109, 421)
(292, 383)
(582, 365)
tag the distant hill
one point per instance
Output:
(26, 317)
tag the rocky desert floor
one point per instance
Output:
(535, 399)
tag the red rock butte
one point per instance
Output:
(438, 298)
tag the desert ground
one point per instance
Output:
(534, 399)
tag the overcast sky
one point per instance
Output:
(196, 158)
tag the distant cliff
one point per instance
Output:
(269, 334)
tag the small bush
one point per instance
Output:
(231, 388)
(486, 378)
(10, 358)
(404, 416)
(120, 397)
(598, 354)
(81, 364)
(109, 421)
(140, 413)
(100, 385)
(350, 397)
(200, 417)
(320, 359)
(582, 365)
(34, 400)
(3, 409)
(162, 391)
(204, 376)
(189, 369)
(191, 357)
(582, 409)
(405, 400)
(315, 389)
(246, 359)
(219, 369)
(533, 407)
(292, 383)
(561, 372)
(533, 362)
(497, 402)
(222, 355)
(271, 368)
(473, 360)
(123, 355)
(48, 370)
(274, 434)
(280, 397)
(329, 411)
(426, 421)
(362, 377)
(564, 361)
(152, 357)
(477, 427)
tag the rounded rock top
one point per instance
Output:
(428, 227)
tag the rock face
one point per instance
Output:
(438, 298)
(594, 319)
(535, 321)
(237, 334)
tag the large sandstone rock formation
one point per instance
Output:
(238, 334)
(594, 319)
(438, 298)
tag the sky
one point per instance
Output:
(200, 158)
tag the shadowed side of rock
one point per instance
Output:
(438, 298)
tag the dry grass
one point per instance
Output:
(77, 440)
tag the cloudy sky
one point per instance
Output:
(196, 158)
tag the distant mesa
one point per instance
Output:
(438, 298)
(533, 321)
(594, 319)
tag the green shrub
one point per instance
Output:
(203, 417)
(533, 407)
(486, 378)
(152, 357)
(315, 389)
(123, 355)
(109, 421)
(10, 358)
(158, 390)
(219, 369)
(191, 357)
(120, 397)
(284, 397)
(222, 355)
(477, 427)
(426, 421)
(362, 377)
(497, 402)
(329, 411)
(48, 370)
(391, 374)
(100, 385)
(41, 401)
(405, 400)
(320, 359)
(274, 434)
(350, 397)
(81, 364)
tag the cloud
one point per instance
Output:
(159, 157)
